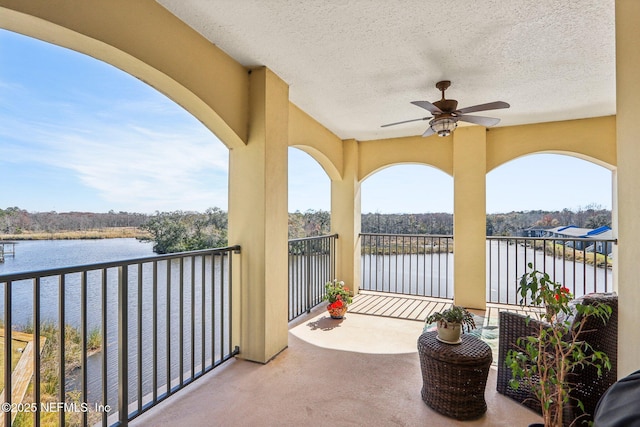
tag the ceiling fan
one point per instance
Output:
(445, 115)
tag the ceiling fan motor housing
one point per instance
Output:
(447, 105)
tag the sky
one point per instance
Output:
(77, 134)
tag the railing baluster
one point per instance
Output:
(154, 330)
(168, 327)
(83, 340)
(203, 314)
(36, 350)
(307, 252)
(222, 301)
(213, 311)
(193, 318)
(181, 322)
(139, 336)
(431, 257)
(489, 277)
(61, 345)
(123, 345)
(105, 384)
(449, 242)
(499, 245)
(8, 356)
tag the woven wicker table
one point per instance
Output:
(454, 377)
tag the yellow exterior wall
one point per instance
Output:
(160, 50)
(628, 182)
(317, 141)
(379, 154)
(469, 219)
(589, 139)
(345, 218)
(258, 219)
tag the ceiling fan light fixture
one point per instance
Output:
(446, 113)
(443, 126)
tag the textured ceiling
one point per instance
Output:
(355, 65)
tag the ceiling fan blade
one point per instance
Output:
(427, 106)
(480, 120)
(483, 107)
(405, 121)
(428, 132)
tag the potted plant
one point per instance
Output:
(337, 294)
(451, 323)
(545, 361)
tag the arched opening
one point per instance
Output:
(552, 211)
(548, 182)
(407, 223)
(82, 135)
(309, 196)
(404, 191)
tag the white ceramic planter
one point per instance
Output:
(449, 332)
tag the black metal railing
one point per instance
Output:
(580, 264)
(105, 342)
(312, 263)
(407, 264)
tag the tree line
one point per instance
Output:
(180, 231)
(14, 220)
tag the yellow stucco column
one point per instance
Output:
(258, 219)
(345, 217)
(628, 182)
(469, 216)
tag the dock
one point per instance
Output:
(7, 249)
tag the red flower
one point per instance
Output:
(564, 291)
(337, 304)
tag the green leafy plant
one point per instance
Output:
(454, 314)
(337, 294)
(544, 361)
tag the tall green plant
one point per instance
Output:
(545, 360)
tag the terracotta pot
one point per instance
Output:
(449, 332)
(337, 313)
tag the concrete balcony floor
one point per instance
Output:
(363, 370)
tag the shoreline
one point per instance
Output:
(91, 234)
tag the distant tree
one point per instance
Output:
(547, 221)
(180, 231)
(489, 227)
(309, 224)
(598, 220)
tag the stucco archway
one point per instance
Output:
(163, 52)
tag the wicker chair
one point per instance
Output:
(588, 386)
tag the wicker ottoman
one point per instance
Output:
(454, 376)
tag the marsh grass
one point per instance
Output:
(98, 233)
(570, 254)
(49, 373)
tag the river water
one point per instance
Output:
(181, 302)
(32, 255)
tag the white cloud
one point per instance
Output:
(140, 166)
